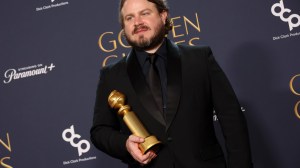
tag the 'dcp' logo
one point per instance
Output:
(82, 146)
(279, 10)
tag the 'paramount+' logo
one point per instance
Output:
(82, 146)
(285, 15)
(26, 72)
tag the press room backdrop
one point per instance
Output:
(51, 52)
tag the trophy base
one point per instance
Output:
(150, 143)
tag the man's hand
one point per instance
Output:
(132, 145)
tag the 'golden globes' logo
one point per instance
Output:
(295, 89)
(7, 147)
(110, 42)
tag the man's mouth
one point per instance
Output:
(140, 29)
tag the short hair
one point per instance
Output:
(161, 5)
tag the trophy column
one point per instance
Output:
(116, 100)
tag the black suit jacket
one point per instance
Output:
(196, 86)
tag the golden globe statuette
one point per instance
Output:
(116, 100)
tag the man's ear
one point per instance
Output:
(164, 16)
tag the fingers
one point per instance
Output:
(152, 155)
(148, 157)
(136, 139)
(132, 145)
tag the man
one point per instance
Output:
(180, 112)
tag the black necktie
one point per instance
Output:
(154, 81)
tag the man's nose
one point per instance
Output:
(138, 21)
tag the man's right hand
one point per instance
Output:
(132, 145)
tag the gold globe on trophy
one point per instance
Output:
(116, 100)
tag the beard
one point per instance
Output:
(143, 43)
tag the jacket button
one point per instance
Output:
(170, 139)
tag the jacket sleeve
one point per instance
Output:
(105, 131)
(231, 118)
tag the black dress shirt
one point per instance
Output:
(161, 64)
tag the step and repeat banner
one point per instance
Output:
(51, 52)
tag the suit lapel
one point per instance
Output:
(173, 89)
(141, 88)
(174, 82)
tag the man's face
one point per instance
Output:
(143, 24)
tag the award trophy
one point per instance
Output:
(116, 100)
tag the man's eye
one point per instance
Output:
(145, 13)
(128, 18)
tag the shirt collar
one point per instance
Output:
(161, 52)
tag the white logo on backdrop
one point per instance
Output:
(52, 5)
(279, 10)
(77, 145)
(25, 72)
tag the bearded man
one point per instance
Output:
(173, 89)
